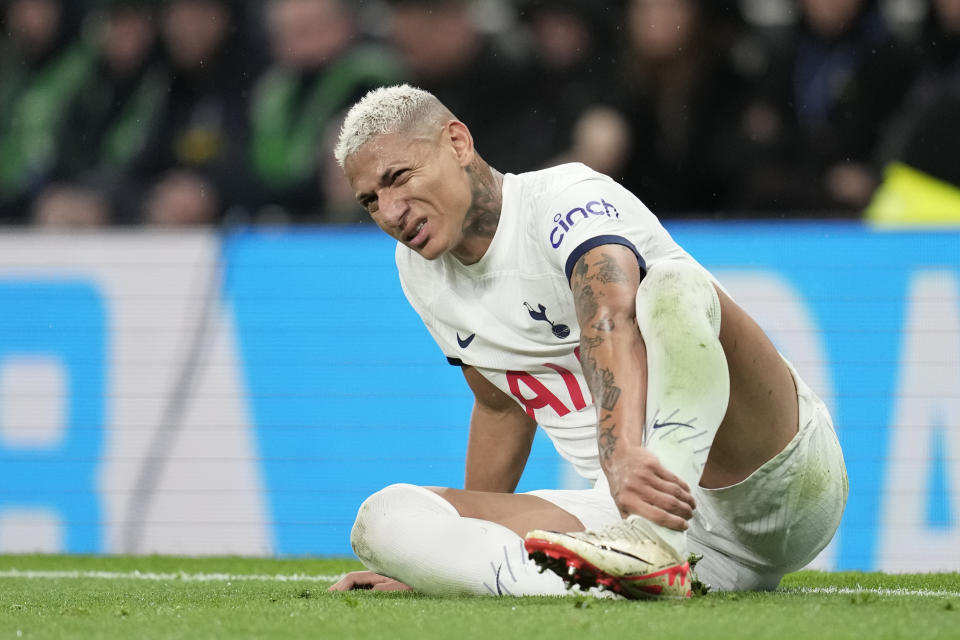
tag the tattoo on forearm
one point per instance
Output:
(587, 361)
(604, 324)
(606, 441)
(588, 343)
(589, 366)
(609, 391)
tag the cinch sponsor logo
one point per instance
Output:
(565, 222)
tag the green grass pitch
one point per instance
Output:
(164, 597)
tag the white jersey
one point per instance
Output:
(511, 315)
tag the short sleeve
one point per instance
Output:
(588, 213)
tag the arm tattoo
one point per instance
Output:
(586, 301)
(605, 325)
(589, 366)
(587, 343)
(587, 362)
(609, 270)
(581, 268)
(590, 282)
(606, 441)
(603, 272)
(610, 392)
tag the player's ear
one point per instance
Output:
(462, 142)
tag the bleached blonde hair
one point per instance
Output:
(386, 110)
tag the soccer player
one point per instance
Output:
(566, 304)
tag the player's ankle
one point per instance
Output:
(675, 540)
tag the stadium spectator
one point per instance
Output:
(182, 198)
(922, 174)
(480, 78)
(319, 67)
(939, 44)
(194, 157)
(106, 126)
(680, 97)
(574, 60)
(71, 206)
(825, 99)
(932, 142)
(674, 112)
(600, 139)
(43, 67)
(925, 134)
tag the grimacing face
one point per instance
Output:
(416, 187)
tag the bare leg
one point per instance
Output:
(762, 414)
(516, 511)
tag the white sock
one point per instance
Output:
(413, 535)
(688, 384)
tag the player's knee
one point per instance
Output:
(372, 522)
(374, 530)
(677, 294)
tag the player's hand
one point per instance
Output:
(641, 485)
(368, 580)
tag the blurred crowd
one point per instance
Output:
(196, 112)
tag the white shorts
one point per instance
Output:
(775, 521)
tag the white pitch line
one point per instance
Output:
(181, 576)
(303, 577)
(880, 592)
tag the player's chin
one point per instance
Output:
(431, 249)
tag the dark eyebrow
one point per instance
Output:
(390, 175)
(386, 178)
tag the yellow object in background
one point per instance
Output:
(908, 197)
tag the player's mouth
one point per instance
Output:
(415, 234)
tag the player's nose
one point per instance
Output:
(393, 209)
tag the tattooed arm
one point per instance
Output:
(612, 352)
